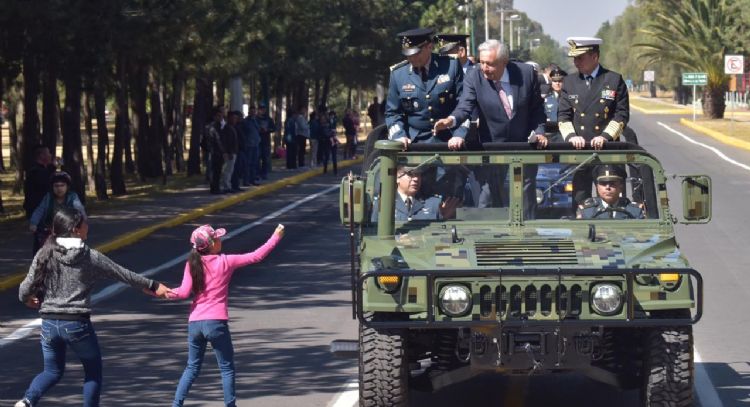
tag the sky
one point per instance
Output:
(571, 18)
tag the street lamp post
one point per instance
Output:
(486, 21)
(512, 18)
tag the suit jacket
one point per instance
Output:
(413, 106)
(599, 109)
(494, 124)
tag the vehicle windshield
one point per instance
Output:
(616, 191)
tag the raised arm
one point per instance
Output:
(239, 260)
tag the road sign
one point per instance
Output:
(695, 78)
(648, 76)
(734, 64)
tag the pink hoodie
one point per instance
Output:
(211, 303)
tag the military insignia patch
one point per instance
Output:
(408, 87)
(608, 94)
(443, 78)
(416, 104)
(393, 130)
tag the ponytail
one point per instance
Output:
(195, 260)
(63, 224)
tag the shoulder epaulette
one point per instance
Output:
(399, 65)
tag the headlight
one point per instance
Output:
(606, 299)
(455, 300)
(539, 196)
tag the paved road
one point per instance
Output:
(286, 310)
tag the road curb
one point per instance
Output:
(129, 238)
(716, 135)
(660, 111)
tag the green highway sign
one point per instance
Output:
(695, 78)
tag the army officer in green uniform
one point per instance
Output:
(423, 89)
(609, 204)
(593, 107)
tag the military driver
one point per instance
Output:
(610, 183)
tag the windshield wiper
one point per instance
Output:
(570, 171)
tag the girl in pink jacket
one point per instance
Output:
(207, 275)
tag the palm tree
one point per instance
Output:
(694, 35)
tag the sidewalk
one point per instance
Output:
(122, 225)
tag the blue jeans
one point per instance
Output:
(56, 335)
(201, 333)
(253, 154)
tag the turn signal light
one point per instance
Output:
(389, 283)
(669, 277)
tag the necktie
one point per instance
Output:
(423, 73)
(504, 100)
(408, 207)
(589, 78)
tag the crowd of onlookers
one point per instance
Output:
(237, 151)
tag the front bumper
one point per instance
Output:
(631, 315)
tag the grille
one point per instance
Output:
(514, 301)
(551, 252)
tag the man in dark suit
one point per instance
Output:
(594, 107)
(511, 109)
(507, 94)
(423, 88)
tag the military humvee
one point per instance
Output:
(496, 289)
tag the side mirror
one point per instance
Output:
(352, 193)
(696, 198)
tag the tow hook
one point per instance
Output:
(536, 364)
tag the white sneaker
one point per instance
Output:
(23, 403)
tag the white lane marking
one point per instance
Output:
(348, 396)
(704, 388)
(714, 149)
(113, 289)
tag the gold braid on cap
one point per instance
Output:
(614, 130)
(566, 130)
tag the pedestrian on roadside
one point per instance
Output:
(59, 196)
(350, 131)
(250, 127)
(289, 139)
(267, 127)
(243, 139)
(231, 146)
(301, 134)
(59, 284)
(36, 179)
(207, 275)
(373, 112)
(315, 130)
(214, 149)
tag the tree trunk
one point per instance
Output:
(349, 99)
(316, 94)
(122, 129)
(138, 91)
(30, 136)
(50, 109)
(102, 142)
(277, 114)
(88, 172)
(713, 101)
(156, 141)
(2, 97)
(71, 131)
(16, 161)
(326, 90)
(201, 110)
(176, 129)
(221, 87)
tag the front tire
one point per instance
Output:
(668, 367)
(383, 368)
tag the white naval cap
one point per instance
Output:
(581, 45)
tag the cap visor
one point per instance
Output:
(407, 52)
(220, 232)
(448, 49)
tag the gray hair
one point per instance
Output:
(494, 45)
